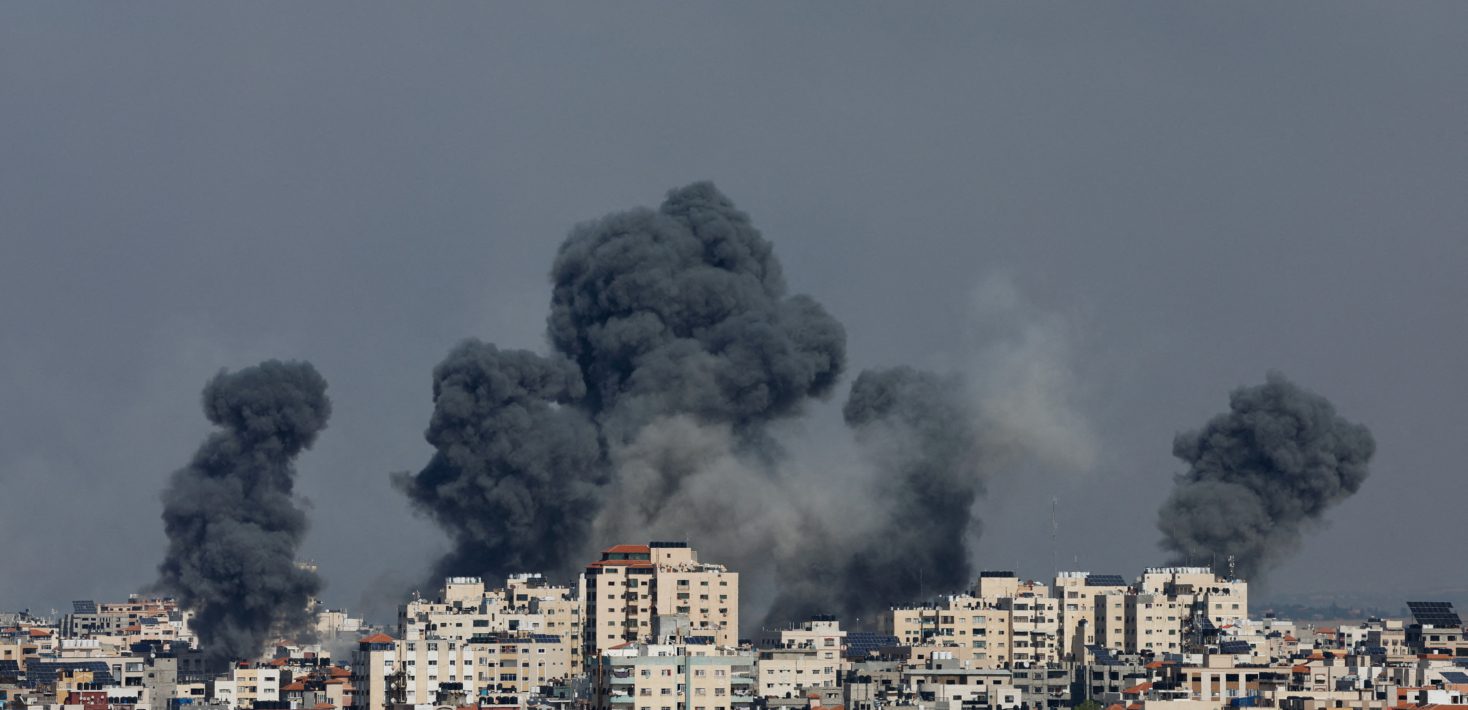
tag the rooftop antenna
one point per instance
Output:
(1231, 568)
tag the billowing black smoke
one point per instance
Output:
(1259, 475)
(233, 527)
(516, 472)
(919, 432)
(684, 311)
(679, 313)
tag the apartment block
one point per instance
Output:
(673, 677)
(631, 585)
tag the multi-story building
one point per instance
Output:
(375, 669)
(803, 657)
(631, 585)
(526, 606)
(964, 626)
(1208, 601)
(246, 686)
(1086, 601)
(1154, 623)
(640, 676)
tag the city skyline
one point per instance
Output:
(1123, 219)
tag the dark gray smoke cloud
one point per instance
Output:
(1259, 475)
(919, 432)
(516, 472)
(233, 527)
(679, 312)
(684, 310)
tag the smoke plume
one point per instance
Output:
(1259, 475)
(232, 525)
(921, 437)
(515, 470)
(674, 314)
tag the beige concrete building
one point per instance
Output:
(672, 677)
(1092, 613)
(1202, 594)
(525, 605)
(633, 584)
(822, 633)
(374, 666)
(1154, 624)
(249, 685)
(965, 626)
(804, 657)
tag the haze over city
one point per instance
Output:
(1098, 222)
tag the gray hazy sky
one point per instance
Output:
(1191, 193)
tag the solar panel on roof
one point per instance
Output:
(1455, 677)
(1439, 614)
(862, 643)
(38, 674)
(1105, 580)
(1101, 655)
(84, 606)
(1235, 647)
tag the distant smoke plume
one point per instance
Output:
(922, 438)
(655, 315)
(515, 472)
(684, 311)
(1259, 475)
(677, 351)
(233, 527)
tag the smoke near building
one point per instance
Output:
(679, 314)
(233, 526)
(1260, 476)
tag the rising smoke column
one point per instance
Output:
(684, 310)
(232, 525)
(515, 472)
(678, 314)
(922, 438)
(1259, 475)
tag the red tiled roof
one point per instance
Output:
(1300, 669)
(1138, 688)
(339, 672)
(629, 549)
(40, 632)
(377, 638)
(1116, 706)
(298, 685)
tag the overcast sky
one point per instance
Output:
(1179, 196)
